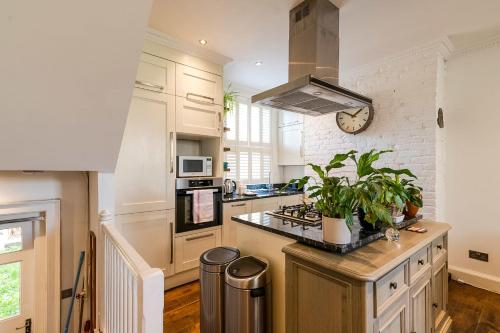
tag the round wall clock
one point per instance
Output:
(354, 122)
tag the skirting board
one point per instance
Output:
(181, 278)
(476, 279)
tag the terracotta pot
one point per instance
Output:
(411, 210)
(336, 231)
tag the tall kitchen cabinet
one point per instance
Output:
(290, 138)
(145, 171)
(175, 96)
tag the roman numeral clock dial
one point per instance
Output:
(355, 121)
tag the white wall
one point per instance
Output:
(471, 167)
(67, 73)
(71, 189)
(405, 95)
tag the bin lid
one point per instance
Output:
(216, 259)
(248, 273)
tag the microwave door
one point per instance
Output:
(193, 167)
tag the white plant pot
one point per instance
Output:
(335, 231)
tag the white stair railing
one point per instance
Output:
(133, 291)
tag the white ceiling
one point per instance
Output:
(257, 30)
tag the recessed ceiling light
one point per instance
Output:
(258, 63)
(203, 41)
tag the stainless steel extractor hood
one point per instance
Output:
(313, 65)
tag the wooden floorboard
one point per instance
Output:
(472, 310)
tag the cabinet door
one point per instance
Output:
(395, 318)
(143, 180)
(291, 145)
(197, 85)
(439, 294)
(260, 205)
(156, 74)
(420, 305)
(228, 226)
(189, 248)
(151, 235)
(291, 200)
(287, 118)
(198, 118)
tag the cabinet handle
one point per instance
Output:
(201, 96)
(239, 205)
(420, 261)
(435, 305)
(151, 85)
(171, 243)
(393, 285)
(198, 237)
(171, 152)
(440, 247)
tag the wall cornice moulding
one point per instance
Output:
(188, 48)
(442, 47)
(477, 46)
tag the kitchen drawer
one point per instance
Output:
(265, 204)
(438, 248)
(419, 262)
(197, 85)
(390, 286)
(188, 248)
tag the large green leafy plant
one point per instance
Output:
(334, 196)
(377, 191)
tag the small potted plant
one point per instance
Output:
(381, 192)
(230, 98)
(414, 201)
(334, 197)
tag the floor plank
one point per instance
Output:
(472, 310)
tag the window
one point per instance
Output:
(249, 140)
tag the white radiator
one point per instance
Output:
(133, 291)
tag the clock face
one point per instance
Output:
(355, 121)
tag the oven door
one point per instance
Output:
(184, 210)
(192, 166)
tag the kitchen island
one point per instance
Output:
(380, 287)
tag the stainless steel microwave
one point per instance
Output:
(194, 166)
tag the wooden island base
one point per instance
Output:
(389, 287)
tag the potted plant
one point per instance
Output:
(414, 200)
(381, 192)
(334, 197)
(230, 98)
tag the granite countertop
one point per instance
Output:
(260, 195)
(313, 236)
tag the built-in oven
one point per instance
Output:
(194, 195)
(194, 166)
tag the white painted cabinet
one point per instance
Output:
(198, 118)
(287, 118)
(144, 179)
(228, 227)
(260, 205)
(151, 235)
(291, 145)
(197, 85)
(156, 74)
(290, 200)
(188, 248)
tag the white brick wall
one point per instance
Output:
(404, 89)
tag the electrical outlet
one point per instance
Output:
(478, 255)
